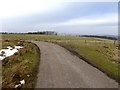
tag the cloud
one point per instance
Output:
(13, 8)
(110, 19)
(107, 19)
(98, 24)
(36, 15)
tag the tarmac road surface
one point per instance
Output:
(59, 68)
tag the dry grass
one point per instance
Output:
(102, 53)
(18, 66)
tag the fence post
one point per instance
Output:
(114, 42)
(85, 42)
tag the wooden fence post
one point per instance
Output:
(85, 42)
(114, 42)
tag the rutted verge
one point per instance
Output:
(23, 65)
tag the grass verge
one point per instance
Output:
(23, 65)
(95, 58)
(101, 53)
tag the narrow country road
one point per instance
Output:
(60, 69)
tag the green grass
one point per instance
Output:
(18, 66)
(97, 59)
(101, 53)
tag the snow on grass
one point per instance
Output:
(20, 84)
(9, 51)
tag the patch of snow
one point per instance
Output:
(16, 86)
(22, 82)
(9, 51)
(2, 57)
(9, 47)
(18, 47)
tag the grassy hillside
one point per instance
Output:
(20, 66)
(101, 53)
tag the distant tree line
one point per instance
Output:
(105, 37)
(10, 33)
(42, 33)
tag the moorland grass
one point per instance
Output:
(101, 53)
(97, 59)
(21, 66)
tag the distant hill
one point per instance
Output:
(112, 37)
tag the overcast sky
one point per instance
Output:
(63, 17)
